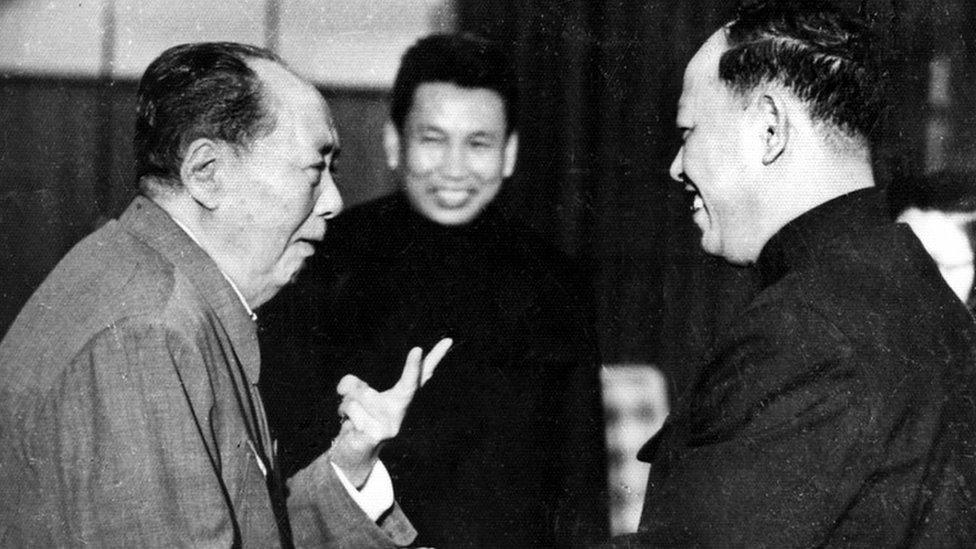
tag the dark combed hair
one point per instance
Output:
(822, 56)
(462, 59)
(192, 91)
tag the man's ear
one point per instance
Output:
(199, 169)
(775, 120)
(511, 153)
(391, 144)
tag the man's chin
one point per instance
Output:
(451, 217)
(710, 250)
(712, 246)
(297, 271)
(738, 258)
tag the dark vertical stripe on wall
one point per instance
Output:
(105, 116)
(272, 25)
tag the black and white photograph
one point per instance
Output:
(487, 273)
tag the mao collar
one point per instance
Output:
(834, 225)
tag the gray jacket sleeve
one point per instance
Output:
(323, 514)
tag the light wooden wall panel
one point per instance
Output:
(339, 43)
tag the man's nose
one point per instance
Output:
(329, 203)
(677, 166)
(453, 162)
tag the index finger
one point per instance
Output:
(433, 358)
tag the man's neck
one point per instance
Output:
(805, 181)
(817, 174)
(187, 216)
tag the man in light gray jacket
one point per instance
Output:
(129, 413)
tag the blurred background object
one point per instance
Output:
(635, 399)
(941, 209)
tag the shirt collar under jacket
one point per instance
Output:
(237, 291)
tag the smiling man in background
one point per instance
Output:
(129, 410)
(836, 409)
(504, 448)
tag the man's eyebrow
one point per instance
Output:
(486, 133)
(324, 151)
(330, 147)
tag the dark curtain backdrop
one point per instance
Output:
(600, 83)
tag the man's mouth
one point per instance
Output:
(317, 235)
(309, 245)
(451, 198)
(697, 203)
(312, 240)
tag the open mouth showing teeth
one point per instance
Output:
(452, 197)
(697, 203)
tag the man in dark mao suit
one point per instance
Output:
(505, 447)
(837, 410)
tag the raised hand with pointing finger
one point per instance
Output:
(370, 418)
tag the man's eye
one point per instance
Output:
(314, 173)
(481, 144)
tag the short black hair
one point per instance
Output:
(193, 91)
(821, 55)
(462, 59)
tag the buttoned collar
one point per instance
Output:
(833, 225)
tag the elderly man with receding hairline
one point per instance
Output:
(129, 411)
